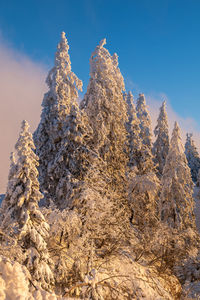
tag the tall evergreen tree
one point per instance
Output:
(161, 145)
(144, 185)
(22, 218)
(73, 158)
(106, 109)
(133, 132)
(176, 200)
(145, 121)
(192, 156)
(57, 104)
(145, 162)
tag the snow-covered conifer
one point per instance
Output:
(161, 145)
(73, 158)
(176, 200)
(57, 103)
(106, 109)
(22, 217)
(133, 129)
(143, 182)
(192, 156)
(145, 121)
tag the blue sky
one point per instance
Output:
(158, 41)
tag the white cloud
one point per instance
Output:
(22, 85)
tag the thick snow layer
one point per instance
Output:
(14, 283)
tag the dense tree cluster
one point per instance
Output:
(114, 201)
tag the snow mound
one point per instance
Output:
(15, 283)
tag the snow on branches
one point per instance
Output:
(22, 218)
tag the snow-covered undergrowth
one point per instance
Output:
(15, 283)
(116, 279)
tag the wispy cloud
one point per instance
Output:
(22, 85)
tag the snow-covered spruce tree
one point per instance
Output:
(106, 109)
(161, 145)
(73, 158)
(57, 104)
(192, 156)
(145, 121)
(143, 182)
(22, 217)
(176, 201)
(133, 132)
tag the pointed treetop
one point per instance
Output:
(25, 140)
(162, 125)
(133, 131)
(102, 43)
(61, 74)
(105, 67)
(176, 127)
(63, 35)
(141, 102)
(62, 53)
(129, 101)
(145, 121)
(161, 144)
(63, 45)
(131, 106)
(163, 107)
(176, 141)
(24, 125)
